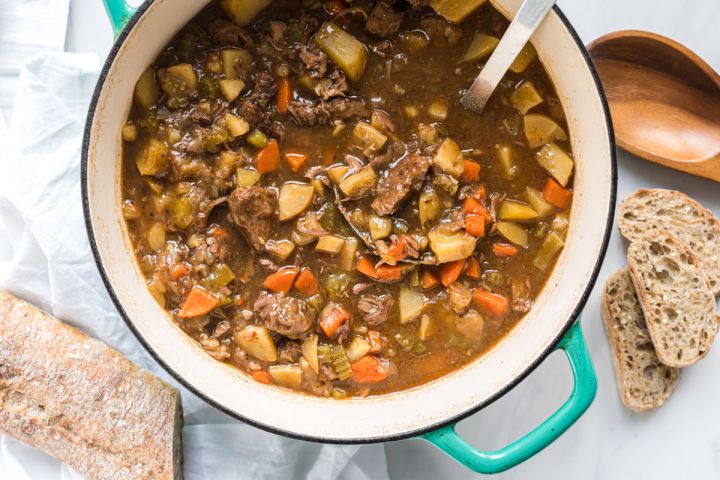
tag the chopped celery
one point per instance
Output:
(219, 277)
(549, 249)
(324, 354)
(481, 46)
(340, 362)
(336, 284)
(344, 49)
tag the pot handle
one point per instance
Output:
(119, 12)
(584, 388)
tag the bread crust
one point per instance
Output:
(82, 402)
(639, 361)
(680, 215)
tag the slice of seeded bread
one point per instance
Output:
(644, 382)
(647, 211)
(675, 297)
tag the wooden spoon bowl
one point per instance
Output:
(664, 100)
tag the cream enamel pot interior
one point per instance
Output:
(430, 409)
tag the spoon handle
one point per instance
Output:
(528, 18)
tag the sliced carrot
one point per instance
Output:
(428, 279)
(268, 157)
(179, 270)
(366, 267)
(284, 94)
(389, 273)
(329, 156)
(262, 376)
(199, 302)
(556, 194)
(397, 250)
(370, 370)
(504, 250)
(296, 158)
(473, 268)
(473, 207)
(494, 303)
(306, 283)
(471, 171)
(217, 232)
(375, 340)
(475, 225)
(282, 280)
(331, 323)
(450, 272)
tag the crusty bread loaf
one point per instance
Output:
(644, 382)
(82, 402)
(647, 211)
(675, 296)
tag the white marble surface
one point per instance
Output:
(680, 440)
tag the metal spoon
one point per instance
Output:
(527, 20)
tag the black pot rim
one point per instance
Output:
(368, 440)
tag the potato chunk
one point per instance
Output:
(257, 342)
(449, 158)
(359, 184)
(449, 246)
(345, 50)
(287, 375)
(558, 163)
(147, 90)
(541, 129)
(455, 10)
(294, 199)
(154, 158)
(243, 12)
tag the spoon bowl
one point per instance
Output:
(664, 100)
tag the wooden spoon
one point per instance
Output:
(664, 100)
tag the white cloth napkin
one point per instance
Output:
(45, 258)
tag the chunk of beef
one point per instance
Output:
(417, 4)
(383, 20)
(223, 31)
(290, 352)
(521, 299)
(399, 181)
(460, 297)
(278, 30)
(288, 316)
(265, 88)
(335, 85)
(311, 114)
(252, 209)
(315, 62)
(254, 108)
(375, 308)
